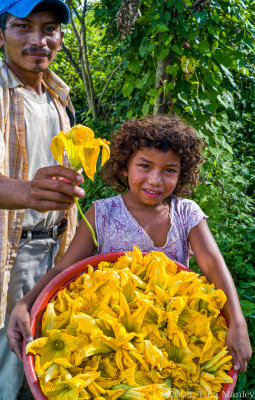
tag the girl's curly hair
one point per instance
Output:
(163, 132)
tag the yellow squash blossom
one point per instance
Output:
(134, 329)
(82, 150)
(56, 345)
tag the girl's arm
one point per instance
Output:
(82, 246)
(213, 266)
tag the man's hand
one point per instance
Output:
(52, 188)
(19, 328)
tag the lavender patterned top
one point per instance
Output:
(118, 230)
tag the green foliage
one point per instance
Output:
(197, 63)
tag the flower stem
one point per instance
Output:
(86, 221)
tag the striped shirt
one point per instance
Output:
(13, 164)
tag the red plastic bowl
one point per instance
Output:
(60, 282)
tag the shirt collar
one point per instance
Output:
(49, 78)
(10, 79)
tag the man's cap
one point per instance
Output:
(22, 8)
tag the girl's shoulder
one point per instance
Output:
(182, 203)
(109, 202)
(187, 210)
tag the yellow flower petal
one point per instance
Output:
(57, 146)
(89, 156)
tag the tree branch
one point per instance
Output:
(72, 61)
(107, 83)
(84, 9)
(73, 8)
(75, 29)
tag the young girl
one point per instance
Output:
(153, 161)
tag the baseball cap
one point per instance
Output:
(22, 8)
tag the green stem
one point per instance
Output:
(86, 221)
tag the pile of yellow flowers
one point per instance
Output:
(134, 329)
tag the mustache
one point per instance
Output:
(35, 51)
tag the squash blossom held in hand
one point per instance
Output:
(82, 150)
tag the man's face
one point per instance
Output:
(31, 43)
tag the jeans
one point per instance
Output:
(33, 260)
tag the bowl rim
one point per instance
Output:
(58, 283)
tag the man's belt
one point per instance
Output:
(53, 232)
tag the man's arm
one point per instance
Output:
(52, 188)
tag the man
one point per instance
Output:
(34, 106)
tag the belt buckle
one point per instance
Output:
(55, 232)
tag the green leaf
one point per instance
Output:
(177, 49)
(164, 53)
(172, 69)
(169, 86)
(204, 46)
(208, 76)
(152, 92)
(248, 307)
(134, 66)
(213, 30)
(129, 114)
(146, 47)
(139, 84)
(201, 17)
(183, 97)
(229, 76)
(217, 76)
(167, 40)
(241, 383)
(225, 57)
(248, 43)
(226, 99)
(162, 28)
(145, 109)
(188, 65)
(128, 86)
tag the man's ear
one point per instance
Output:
(62, 35)
(1, 37)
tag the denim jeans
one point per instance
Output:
(33, 260)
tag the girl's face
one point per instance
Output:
(152, 175)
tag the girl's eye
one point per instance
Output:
(170, 170)
(145, 166)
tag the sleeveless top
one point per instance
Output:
(118, 230)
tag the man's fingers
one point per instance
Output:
(59, 171)
(54, 189)
(17, 331)
(15, 341)
(25, 330)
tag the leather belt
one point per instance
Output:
(53, 232)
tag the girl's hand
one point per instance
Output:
(238, 343)
(19, 328)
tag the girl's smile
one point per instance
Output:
(152, 175)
